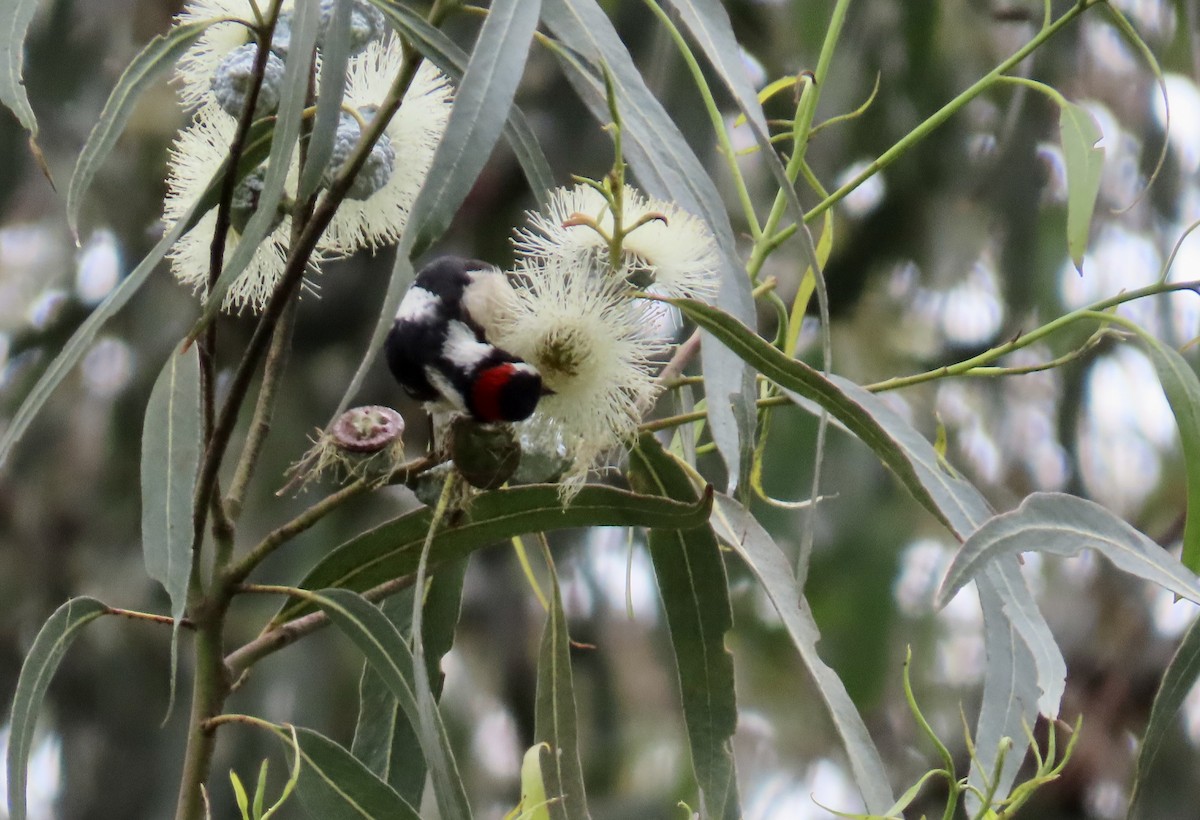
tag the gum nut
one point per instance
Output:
(367, 429)
(486, 455)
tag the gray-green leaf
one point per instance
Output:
(388, 654)
(554, 716)
(1061, 524)
(40, 664)
(695, 595)
(1178, 680)
(335, 786)
(171, 446)
(736, 527)
(15, 17)
(1085, 163)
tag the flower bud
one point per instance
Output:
(375, 172)
(486, 455)
(235, 74)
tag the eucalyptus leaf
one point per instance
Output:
(156, 57)
(555, 722)
(1182, 389)
(392, 549)
(384, 739)
(667, 168)
(1061, 524)
(482, 103)
(335, 53)
(335, 786)
(1178, 680)
(171, 448)
(695, 596)
(957, 504)
(51, 643)
(446, 55)
(389, 655)
(15, 17)
(754, 545)
(1085, 164)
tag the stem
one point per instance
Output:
(805, 113)
(949, 109)
(1045, 330)
(208, 699)
(260, 427)
(288, 633)
(165, 620)
(714, 114)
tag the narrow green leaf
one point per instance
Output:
(1020, 633)
(392, 549)
(335, 52)
(1061, 524)
(335, 786)
(953, 501)
(667, 168)
(386, 651)
(1182, 389)
(481, 106)
(1010, 692)
(239, 795)
(384, 739)
(39, 667)
(156, 57)
(1085, 163)
(446, 55)
(534, 804)
(555, 722)
(171, 446)
(695, 595)
(292, 97)
(15, 17)
(736, 527)
(1178, 680)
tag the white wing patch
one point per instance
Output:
(443, 386)
(462, 349)
(418, 305)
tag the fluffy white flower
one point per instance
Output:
(195, 157)
(196, 67)
(675, 250)
(584, 334)
(413, 134)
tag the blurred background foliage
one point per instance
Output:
(955, 247)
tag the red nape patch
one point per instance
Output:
(485, 392)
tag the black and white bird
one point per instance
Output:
(438, 348)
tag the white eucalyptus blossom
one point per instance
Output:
(198, 66)
(585, 335)
(670, 252)
(411, 137)
(195, 157)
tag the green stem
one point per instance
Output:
(264, 409)
(988, 356)
(208, 699)
(806, 111)
(714, 115)
(949, 109)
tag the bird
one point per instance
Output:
(438, 347)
